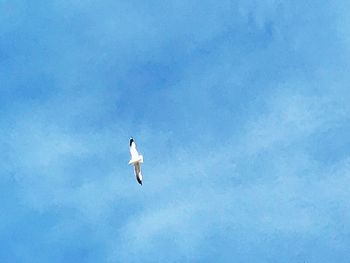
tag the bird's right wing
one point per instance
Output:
(133, 151)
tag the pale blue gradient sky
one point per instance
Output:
(241, 109)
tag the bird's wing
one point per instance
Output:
(133, 151)
(137, 168)
(137, 171)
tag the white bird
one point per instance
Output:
(136, 159)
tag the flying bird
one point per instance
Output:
(136, 159)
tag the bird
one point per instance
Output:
(136, 159)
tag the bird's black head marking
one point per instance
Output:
(131, 141)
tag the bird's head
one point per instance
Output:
(131, 140)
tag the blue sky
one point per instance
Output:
(240, 108)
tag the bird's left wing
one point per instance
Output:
(138, 174)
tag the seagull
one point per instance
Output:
(136, 159)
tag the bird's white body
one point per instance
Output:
(136, 159)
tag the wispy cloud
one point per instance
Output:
(240, 109)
